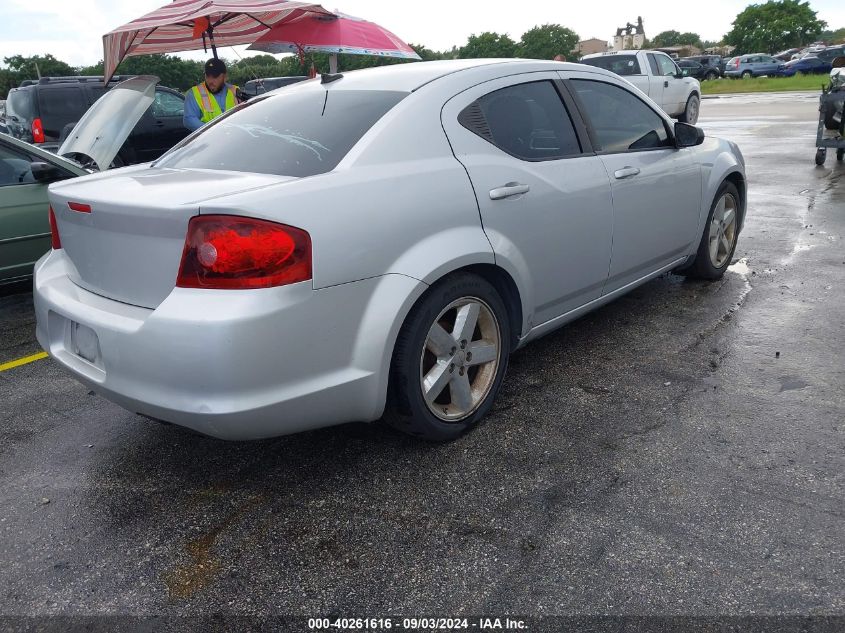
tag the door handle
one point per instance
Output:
(508, 190)
(626, 172)
(666, 84)
(159, 124)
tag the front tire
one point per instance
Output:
(450, 359)
(691, 111)
(711, 76)
(718, 241)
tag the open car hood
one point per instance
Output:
(103, 129)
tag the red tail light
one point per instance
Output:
(37, 131)
(55, 241)
(231, 252)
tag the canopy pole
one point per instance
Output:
(333, 64)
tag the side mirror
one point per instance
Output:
(687, 135)
(45, 172)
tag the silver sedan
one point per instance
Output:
(376, 245)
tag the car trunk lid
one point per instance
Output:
(124, 231)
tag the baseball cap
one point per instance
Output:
(215, 67)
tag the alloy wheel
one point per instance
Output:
(460, 359)
(722, 236)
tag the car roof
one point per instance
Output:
(412, 76)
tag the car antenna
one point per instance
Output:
(327, 78)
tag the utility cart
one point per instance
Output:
(831, 130)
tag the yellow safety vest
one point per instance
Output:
(208, 104)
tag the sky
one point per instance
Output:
(72, 30)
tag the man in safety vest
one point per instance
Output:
(211, 98)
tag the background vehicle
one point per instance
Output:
(423, 221)
(694, 69)
(25, 172)
(755, 65)
(805, 66)
(786, 55)
(715, 65)
(255, 87)
(45, 110)
(830, 53)
(657, 75)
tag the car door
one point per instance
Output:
(160, 128)
(544, 198)
(24, 227)
(674, 87)
(656, 187)
(657, 80)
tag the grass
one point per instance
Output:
(764, 84)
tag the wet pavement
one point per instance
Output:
(679, 452)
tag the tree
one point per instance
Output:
(488, 44)
(774, 26)
(29, 67)
(544, 42)
(675, 38)
(833, 37)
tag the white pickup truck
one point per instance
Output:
(657, 75)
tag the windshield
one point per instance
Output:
(619, 64)
(300, 133)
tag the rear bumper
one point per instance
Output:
(232, 364)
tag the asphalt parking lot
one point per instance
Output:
(679, 452)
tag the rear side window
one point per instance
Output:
(21, 105)
(620, 64)
(60, 106)
(528, 121)
(621, 121)
(288, 133)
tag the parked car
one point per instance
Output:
(786, 55)
(377, 244)
(658, 76)
(26, 170)
(809, 50)
(805, 66)
(693, 69)
(255, 87)
(756, 65)
(44, 111)
(830, 53)
(715, 65)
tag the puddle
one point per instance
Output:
(740, 267)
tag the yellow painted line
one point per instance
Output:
(23, 361)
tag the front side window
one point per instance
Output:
(621, 121)
(528, 121)
(166, 104)
(15, 168)
(288, 133)
(622, 65)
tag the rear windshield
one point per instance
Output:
(299, 133)
(60, 106)
(619, 64)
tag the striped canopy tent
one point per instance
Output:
(185, 25)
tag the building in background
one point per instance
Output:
(630, 36)
(589, 47)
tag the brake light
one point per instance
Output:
(79, 207)
(37, 131)
(234, 253)
(55, 240)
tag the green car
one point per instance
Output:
(25, 172)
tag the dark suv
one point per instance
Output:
(714, 64)
(43, 112)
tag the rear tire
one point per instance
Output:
(821, 156)
(437, 389)
(691, 111)
(746, 74)
(719, 238)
